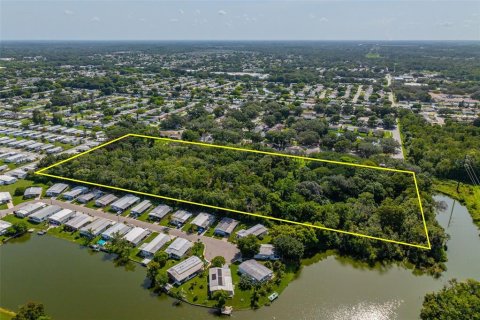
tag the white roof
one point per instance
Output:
(136, 235)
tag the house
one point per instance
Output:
(87, 197)
(75, 192)
(56, 189)
(257, 230)
(18, 173)
(180, 217)
(28, 209)
(220, 279)
(78, 221)
(136, 235)
(32, 192)
(255, 271)
(140, 208)
(225, 227)
(4, 225)
(266, 252)
(148, 250)
(44, 213)
(5, 197)
(95, 227)
(4, 179)
(203, 220)
(118, 228)
(124, 203)
(159, 212)
(61, 216)
(178, 248)
(105, 200)
(185, 270)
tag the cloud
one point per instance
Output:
(174, 20)
(181, 11)
(95, 19)
(314, 17)
(197, 12)
(323, 19)
(69, 12)
(222, 12)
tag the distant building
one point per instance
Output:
(118, 228)
(257, 230)
(178, 248)
(148, 250)
(32, 192)
(180, 217)
(56, 189)
(185, 270)
(255, 271)
(124, 202)
(75, 192)
(28, 209)
(136, 235)
(105, 200)
(140, 208)
(220, 279)
(266, 252)
(4, 179)
(5, 197)
(95, 228)
(43, 214)
(4, 225)
(225, 227)
(159, 212)
(61, 216)
(80, 220)
(203, 220)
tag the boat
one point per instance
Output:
(41, 232)
(273, 296)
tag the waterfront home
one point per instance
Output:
(80, 220)
(220, 279)
(255, 271)
(124, 203)
(4, 179)
(140, 208)
(56, 189)
(180, 217)
(117, 229)
(136, 235)
(4, 225)
(95, 227)
(43, 214)
(257, 230)
(203, 220)
(28, 209)
(61, 217)
(32, 192)
(5, 197)
(148, 250)
(225, 227)
(75, 192)
(178, 248)
(105, 200)
(159, 212)
(266, 252)
(185, 270)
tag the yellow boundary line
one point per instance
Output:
(42, 172)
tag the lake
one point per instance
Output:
(75, 283)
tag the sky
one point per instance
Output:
(240, 20)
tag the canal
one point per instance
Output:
(74, 283)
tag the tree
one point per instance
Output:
(476, 122)
(218, 261)
(221, 296)
(289, 248)
(57, 119)
(122, 248)
(31, 311)
(18, 228)
(161, 257)
(457, 300)
(19, 191)
(248, 246)
(245, 283)
(38, 117)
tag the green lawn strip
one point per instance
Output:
(14, 219)
(468, 195)
(6, 314)
(20, 183)
(59, 232)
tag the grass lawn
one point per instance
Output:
(59, 232)
(21, 183)
(6, 314)
(468, 195)
(14, 219)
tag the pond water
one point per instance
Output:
(74, 283)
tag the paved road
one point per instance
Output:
(213, 247)
(396, 135)
(357, 94)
